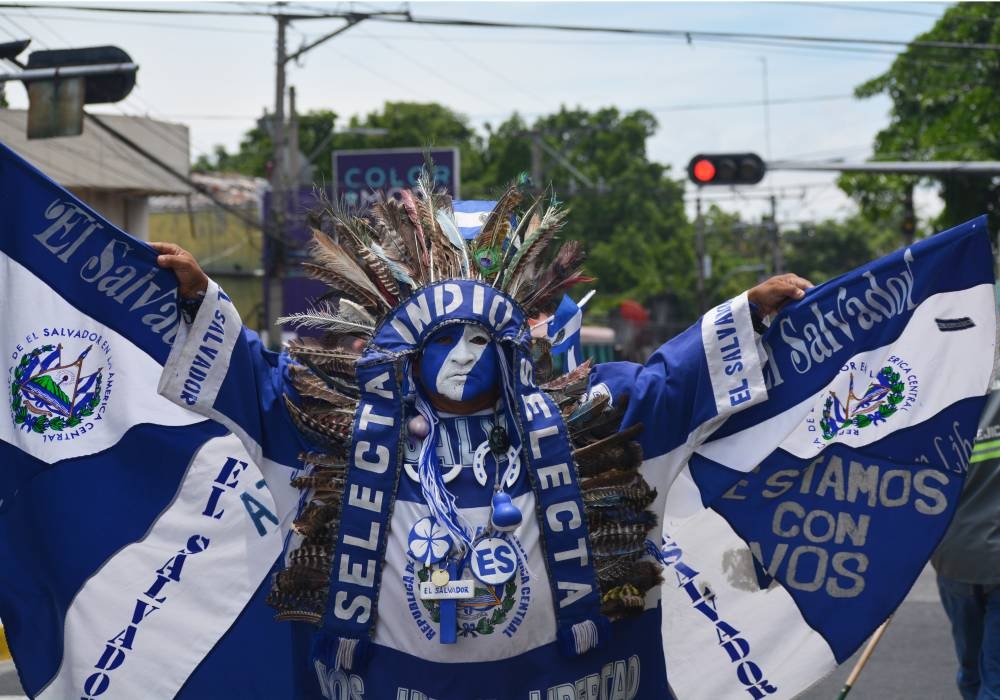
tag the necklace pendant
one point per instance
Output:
(505, 517)
(428, 542)
(494, 561)
(440, 577)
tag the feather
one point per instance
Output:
(399, 272)
(447, 225)
(535, 245)
(333, 360)
(529, 222)
(592, 453)
(619, 454)
(322, 460)
(316, 434)
(355, 313)
(588, 423)
(565, 264)
(541, 359)
(378, 271)
(497, 223)
(333, 428)
(328, 320)
(444, 258)
(398, 235)
(340, 271)
(412, 213)
(575, 378)
(308, 385)
(345, 387)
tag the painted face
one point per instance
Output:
(460, 362)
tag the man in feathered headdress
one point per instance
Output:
(460, 505)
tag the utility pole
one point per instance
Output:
(536, 161)
(274, 273)
(281, 179)
(778, 261)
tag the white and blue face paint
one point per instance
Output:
(460, 362)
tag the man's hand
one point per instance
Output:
(772, 295)
(192, 281)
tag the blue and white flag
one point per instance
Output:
(563, 330)
(136, 536)
(796, 526)
(471, 214)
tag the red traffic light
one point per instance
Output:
(703, 171)
(726, 169)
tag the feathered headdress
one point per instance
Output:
(380, 263)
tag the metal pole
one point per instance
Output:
(767, 111)
(536, 161)
(294, 164)
(778, 261)
(275, 269)
(699, 252)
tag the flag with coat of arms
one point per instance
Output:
(803, 481)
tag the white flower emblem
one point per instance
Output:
(429, 542)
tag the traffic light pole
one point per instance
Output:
(699, 252)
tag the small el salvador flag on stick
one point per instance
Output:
(564, 330)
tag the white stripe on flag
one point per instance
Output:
(769, 629)
(177, 620)
(34, 315)
(919, 353)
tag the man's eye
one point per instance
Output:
(479, 340)
(444, 340)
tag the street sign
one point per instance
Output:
(360, 174)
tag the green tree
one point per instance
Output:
(408, 124)
(824, 250)
(632, 220)
(630, 216)
(944, 107)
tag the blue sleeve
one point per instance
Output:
(221, 369)
(692, 382)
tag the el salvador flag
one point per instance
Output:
(470, 215)
(794, 527)
(563, 331)
(136, 536)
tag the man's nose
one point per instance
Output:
(464, 352)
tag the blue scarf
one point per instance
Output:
(376, 459)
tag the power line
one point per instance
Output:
(690, 34)
(864, 8)
(683, 34)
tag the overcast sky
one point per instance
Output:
(216, 74)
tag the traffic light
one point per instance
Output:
(60, 82)
(726, 169)
(101, 88)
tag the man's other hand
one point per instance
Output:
(191, 279)
(772, 295)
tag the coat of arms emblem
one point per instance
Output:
(49, 393)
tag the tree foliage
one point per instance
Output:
(944, 107)
(822, 251)
(630, 215)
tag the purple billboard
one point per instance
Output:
(359, 175)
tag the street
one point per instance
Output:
(914, 660)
